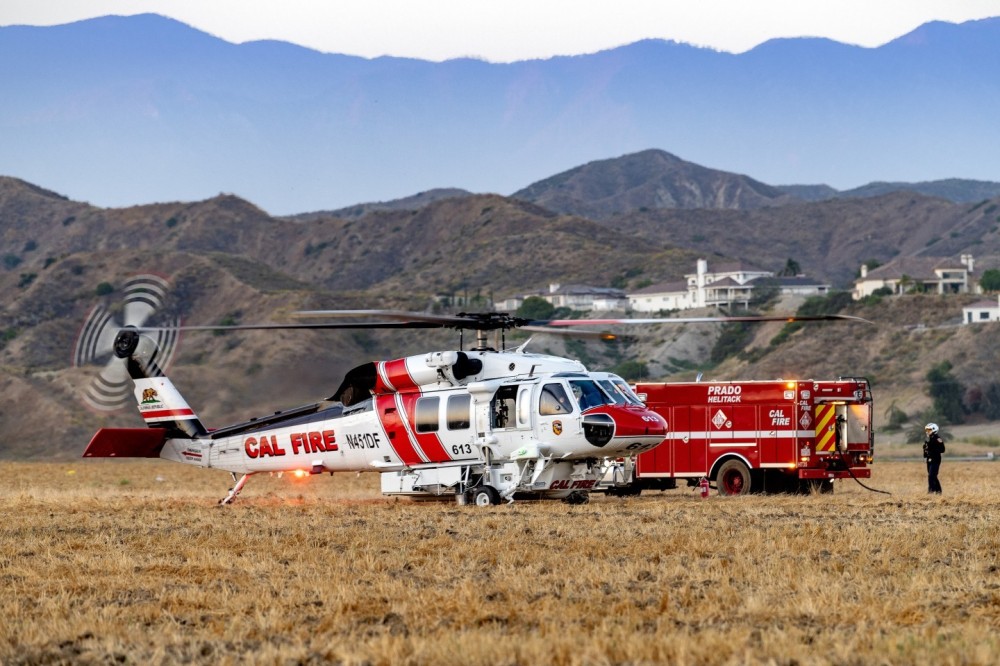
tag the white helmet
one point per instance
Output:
(931, 428)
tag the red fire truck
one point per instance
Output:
(754, 436)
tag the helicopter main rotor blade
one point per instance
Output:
(698, 320)
(485, 321)
(280, 327)
(478, 321)
(400, 315)
(607, 336)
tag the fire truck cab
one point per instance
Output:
(754, 436)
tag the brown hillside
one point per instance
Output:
(908, 336)
(648, 180)
(228, 261)
(829, 239)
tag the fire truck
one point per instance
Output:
(754, 436)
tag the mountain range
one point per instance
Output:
(129, 110)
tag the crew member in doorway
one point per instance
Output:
(933, 448)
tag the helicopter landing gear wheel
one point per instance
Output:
(485, 496)
(235, 490)
(577, 497)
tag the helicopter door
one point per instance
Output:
(503, 408)
(555, 411)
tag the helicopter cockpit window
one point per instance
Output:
(626, 391)
(503, 407)
(459, 410)
(554, 400)
(588, 394)
(427, 414)
(613, 392)
(619, 391)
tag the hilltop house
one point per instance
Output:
(573, 296)
(940, 275)
(981, 311)
(727, 286)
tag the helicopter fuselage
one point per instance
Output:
(442, 423)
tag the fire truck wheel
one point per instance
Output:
(485, 496)
(733, 478)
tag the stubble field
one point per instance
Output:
(133, 562)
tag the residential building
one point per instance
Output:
(728, 285)
(799, 285)
(938, 275)
(573, 296)
(662, 296)
(981, 311)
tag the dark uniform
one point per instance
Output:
(933, 448)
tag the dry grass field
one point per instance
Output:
(133, 562)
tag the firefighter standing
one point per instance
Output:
(933, 448)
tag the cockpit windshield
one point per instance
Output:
(588, 394)
(613, 391)
(626, 390)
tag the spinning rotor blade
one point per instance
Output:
(144, 294)
(398, 315)
(281, 327)
(110, 389)
(476, 321)
(699, 320)
(483, 321)
(607, 336)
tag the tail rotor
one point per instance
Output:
(144, 296)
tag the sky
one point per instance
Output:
(510, 30)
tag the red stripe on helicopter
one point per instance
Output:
(393, 376)
(428, 442)
(399, 438)
(167, 413)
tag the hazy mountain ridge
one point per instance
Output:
(296, 130)
(415, 202)
(959, 190)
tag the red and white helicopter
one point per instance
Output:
(482, 426)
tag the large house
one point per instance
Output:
(939, 275)
(573, 296)
(726, 286)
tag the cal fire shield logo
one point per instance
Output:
(557, 427)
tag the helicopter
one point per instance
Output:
(483, 426)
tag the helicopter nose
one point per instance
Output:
(643, 422)
(625, 428)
